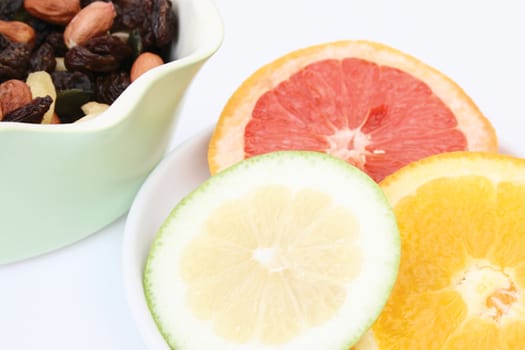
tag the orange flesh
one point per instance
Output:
(462, 275)
(376, 117)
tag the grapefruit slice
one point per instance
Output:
(289, 250)
(371, 105)
(461, 281)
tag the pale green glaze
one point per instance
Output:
(60, 183)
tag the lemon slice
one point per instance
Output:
(289, 250)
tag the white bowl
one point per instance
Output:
(183, 170)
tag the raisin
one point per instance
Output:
(131, 14)
(8, 8)
(135, 15)
(56, 40)
(43, 59)
(14, 60)
(99, 54)
(84, 3)
(4, 42)
(164, 22)
(32, 112)
(42, 29)
(110, 86)
(72, 80)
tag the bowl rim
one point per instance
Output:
(209, 42)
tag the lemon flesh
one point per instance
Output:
(289, 250)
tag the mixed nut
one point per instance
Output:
(63, 61)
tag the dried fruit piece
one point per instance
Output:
(136, 16)
(56, 40)
(110, 86)
(14, 58)
(124, 36)
(131, 13)
(72, 80)
(53, 11)
(33, 112)
(9, 8)
(164, 22)
(60, 65)
(84, 3)
(69, 102)
(144, 63)
(19, 32)
(100, 54)
(41, 85)
(43, 59)
(91, 21)
(13, 94)
(42, 29)
(92, 109)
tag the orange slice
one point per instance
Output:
(461, 283)
(369, 104)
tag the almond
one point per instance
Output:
(143, 63)
(13, 94)
(93, 20)
(53, 11)
(18, 32)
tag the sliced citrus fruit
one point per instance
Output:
(461, 282)
(289, 250)
(364, 102)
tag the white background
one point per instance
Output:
(74, 298)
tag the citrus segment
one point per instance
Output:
(460, 218)
(514, 335)
(360, 123)
(519, 274)
(290, 250)
(507, 250)
(476, 334)
(365, 103)
(292, 261)
(435, 314)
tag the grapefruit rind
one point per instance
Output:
(347, 185)
(227, 144)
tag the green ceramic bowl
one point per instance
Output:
(60, 183)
